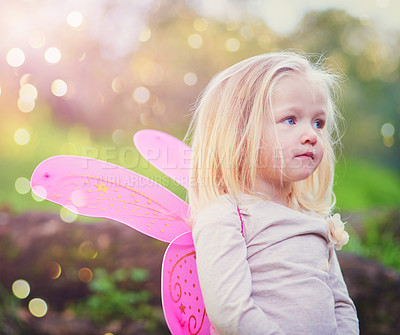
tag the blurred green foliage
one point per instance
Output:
(117, 296)
(377, 238)
(9, 319)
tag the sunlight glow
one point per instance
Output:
(151, 73)
(75, 19)
(59, 88)
(15, 57)
(21, 288)
(52, 55)
(383, 3)
(38, 307)
(22, 136)
(37, 39)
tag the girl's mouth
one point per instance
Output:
(308, 154)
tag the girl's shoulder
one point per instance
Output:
(254, 211)
(223, 206)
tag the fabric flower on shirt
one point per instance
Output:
(337, 235)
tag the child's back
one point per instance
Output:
(282, 274)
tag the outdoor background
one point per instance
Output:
(81, 77)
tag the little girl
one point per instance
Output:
(263, 165)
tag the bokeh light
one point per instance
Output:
(190, 79)
(145, 35)
(232, 44)
(75, 19)
(88, 250)
(37, 307)
(52, 55)
(22, 185)
(22, 136)
(21, 288)
(25, 105)
(68, 215)
(247, 32)
(28, 91)
(59, 88)
(54, 270)
(27, 95)
(119, 136)
(387, 130)
(158, 107)
(200, 24)
(195, 41)
(141, 94)
(85, 275)
(117, 85)
(388, 141)
(39, 193)
(15, 57)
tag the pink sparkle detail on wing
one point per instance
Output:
(99, 189)
(181, 294)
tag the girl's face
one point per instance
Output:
(299, 110)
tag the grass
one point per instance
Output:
(361, 185)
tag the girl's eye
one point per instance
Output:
(319, 124)
(289, 120)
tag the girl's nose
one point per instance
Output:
(309, 136)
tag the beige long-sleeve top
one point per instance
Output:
(282, 277)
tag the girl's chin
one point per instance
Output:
(299, 175)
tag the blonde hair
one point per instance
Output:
(227, 131)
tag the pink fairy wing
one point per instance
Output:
(182, 300)
(168, 154)
(99, 189)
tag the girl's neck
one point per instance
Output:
(277, 192)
